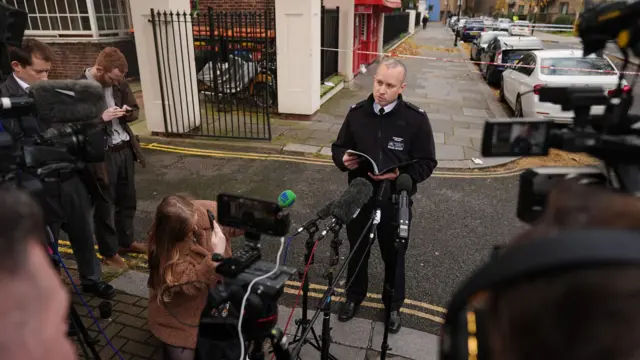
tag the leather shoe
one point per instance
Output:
(100, 289)
(395, 322)
(347, 311)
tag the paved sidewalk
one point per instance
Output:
(453, 94)
(357, 339)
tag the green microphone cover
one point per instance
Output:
(286, 199)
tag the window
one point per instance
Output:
(571, 66)
(530, 61)
(75, 18)
(521, 9)
(564, 8)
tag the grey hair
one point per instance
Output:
(393, 63)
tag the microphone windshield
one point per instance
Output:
(69, 101)
(325, 212)
(404, 183)
(286, 199)
(356, 195)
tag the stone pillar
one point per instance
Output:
(171, 94)
(345, 42)
(298, 44)
(412, 21)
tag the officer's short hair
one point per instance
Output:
(392, 63)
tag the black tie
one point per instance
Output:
(381, 111)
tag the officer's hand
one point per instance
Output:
(112, 113)
(350, 161)
(388, 176)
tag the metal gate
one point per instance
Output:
(227, 88)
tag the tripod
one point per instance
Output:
(304, 325)
(326, 308)
(76, 327)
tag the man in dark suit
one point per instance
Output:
(114, 215)
(67, 203)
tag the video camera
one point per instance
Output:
(218, 337)
(54, 130)
(613, 137)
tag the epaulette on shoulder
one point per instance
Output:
(415, 108)
(358, 105)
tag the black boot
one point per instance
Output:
(395, 322)
(348, 311)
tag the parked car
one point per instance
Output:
(480, 43)
(503, 24)
(471, 30)
(505, 50)
(520, 28)
(561, 68)
(460, 25)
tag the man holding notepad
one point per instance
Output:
(381, 138)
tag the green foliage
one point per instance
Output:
(564, 20)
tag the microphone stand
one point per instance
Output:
(331, 290)
(326, 310)
(303, 324)
(399, 244)
(326, 298)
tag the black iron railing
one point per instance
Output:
(233, 68)
(418, 20)
(330, 30)
(395, 26)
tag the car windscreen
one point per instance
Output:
(572, 66)
(487, 38)
(511, 56)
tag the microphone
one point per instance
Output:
(404, 184)
(349, 204)
(286, 199)
(16, 102)
(69, 101)
(322, 214)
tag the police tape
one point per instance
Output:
(464, 61)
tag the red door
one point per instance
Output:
(373, 38)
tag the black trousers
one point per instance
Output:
(68, 207)
(114, 218)
(387, 230)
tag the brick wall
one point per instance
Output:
(220, 5)
(71, 58)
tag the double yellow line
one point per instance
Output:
(310, 160)
(373, 300)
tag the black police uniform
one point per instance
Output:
(400, 135)
(66, 203)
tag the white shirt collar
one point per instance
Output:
(22, 84)
(387, 108)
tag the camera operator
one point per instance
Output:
(387, 128)
(588, 314)
(116, 175)
(34, 311)
(67, 202)
(30, 63)
(182, 241)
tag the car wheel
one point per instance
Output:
(518, 110)
(501, 93)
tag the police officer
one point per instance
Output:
(67, 202)
(392, 131)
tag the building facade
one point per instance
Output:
(78, 30)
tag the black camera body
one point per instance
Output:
(612, 137)
(217, 334)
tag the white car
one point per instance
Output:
(520, 28)
(559, 68)
(503, 24)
